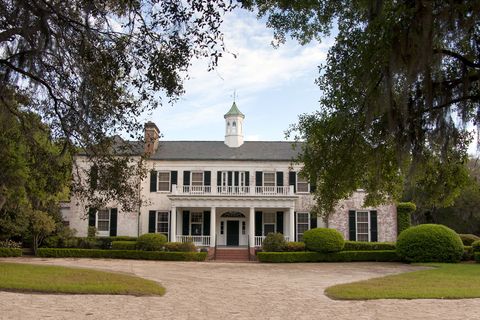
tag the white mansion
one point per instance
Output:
(230, 193)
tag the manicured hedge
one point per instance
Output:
(468, 239)
(10, 252)
(323, 240)
(342, 256)
(121, 254)
(476, 246)
(477, 257)
(404, 213)
(467, 253)
(368, 246)
(124, 245)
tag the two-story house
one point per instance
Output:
(230, 193)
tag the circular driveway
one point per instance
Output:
(213, 290)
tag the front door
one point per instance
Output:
(232, 232)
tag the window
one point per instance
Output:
(303, 224)
(302, 184)
(363, 226)
(243, 227)
(162, 222)
(103, 220)
(197, 179)
(269, 179)
(163, 181)
(269, 219)
(196, 223)
(222, 227)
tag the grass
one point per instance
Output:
(54, 279)
(444, 281)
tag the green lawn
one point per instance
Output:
(53, 279)
(445, 281)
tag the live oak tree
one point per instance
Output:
(400, 94)
(90, 68)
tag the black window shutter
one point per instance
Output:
(313, 187)
(186, 223)
(258, 223)
(206, 223)
(236, 174)
(91, 217)
(170, 227)
(313, 221)
(373, 226)
(219, 178)
(295, 227)
(151, 221)
(247, 178)
(153, 181)
(280, 221)
(113, 222)
(279, 179)
(207, 178)
(93, 177)
(230, 178)
(258, 178)
(173, 178)
(186, 178)
(352, 230)
(292, 180)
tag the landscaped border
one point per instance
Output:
(342, 256)
(121, 254)
(10, 252)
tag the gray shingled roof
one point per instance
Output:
(218, 150)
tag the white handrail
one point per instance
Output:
(199, 241)
(233, 190)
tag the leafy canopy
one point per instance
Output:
(400, 87)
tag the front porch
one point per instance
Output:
(204, 241)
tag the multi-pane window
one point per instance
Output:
(103, 220)
(197, 178)
(222, 227)
(362, 221)
(303, 224)
(269, 179)
(162, 223)
(163, 181)
(269, 219)
(196, 223)
(243, 227)
(302, 184)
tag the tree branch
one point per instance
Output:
(457, 56)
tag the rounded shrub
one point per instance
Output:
(323, 240)
(468, 239)
(274, 242)
(295, 246)
(151, 242)
(429, 243)
(476, 246)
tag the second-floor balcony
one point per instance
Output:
(237, 191)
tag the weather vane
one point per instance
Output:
(234, 95)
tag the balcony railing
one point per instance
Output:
(259, 240)
(199, 241)
(232, 191)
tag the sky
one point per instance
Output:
(273, 86)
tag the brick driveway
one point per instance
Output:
(231, 291)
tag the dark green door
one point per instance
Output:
(232, 233)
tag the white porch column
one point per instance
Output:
(213, 226)
(251, 227)
(173, 224)
(291, 225)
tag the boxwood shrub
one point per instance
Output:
(121, 254)
(477, 257)
(180, 247)
(342, 256)
(323, 240)
(430, 243)
(274, 242)
(476, 246)
(124, 245)
(10, 252)
(151, 242)
(368, 246)
(468, 239)
(467, 253)
(295, 246)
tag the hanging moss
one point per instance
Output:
(404, 213)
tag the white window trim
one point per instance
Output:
(168, 222)
(191, 178)
(369, 225)
(200, 223)
(169, 181)
(297, 223)
(269, 223)
(104, 233)
(296, 184)
(274, 179)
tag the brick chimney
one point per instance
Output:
(152, 135)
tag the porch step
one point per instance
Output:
(232, 254)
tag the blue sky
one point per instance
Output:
(273, 86)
